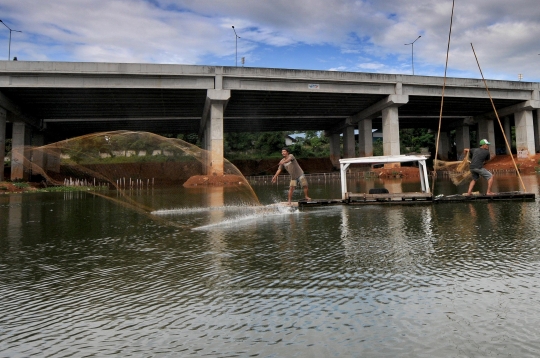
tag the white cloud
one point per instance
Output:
(362, 35)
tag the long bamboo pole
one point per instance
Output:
(442, 101)
(498, 119)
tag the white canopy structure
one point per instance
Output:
(421, 159)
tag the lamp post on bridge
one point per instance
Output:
(412, 53)
(237, 37)
(10, 31)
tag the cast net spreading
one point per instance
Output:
(458, 170)
(129, 163)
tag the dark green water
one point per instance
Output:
(81, 275)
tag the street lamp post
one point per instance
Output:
(412, 53)
(10, 31)
(237, 37)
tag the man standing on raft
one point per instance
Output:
(479, 156)
(297, 174)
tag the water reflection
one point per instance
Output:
(82, 275)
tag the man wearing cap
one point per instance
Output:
(478, 157)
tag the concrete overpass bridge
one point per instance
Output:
(43, 102)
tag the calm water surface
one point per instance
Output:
(81, 275)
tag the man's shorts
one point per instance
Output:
(482, 172)
(303, 182)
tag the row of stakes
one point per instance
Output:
(120, 183)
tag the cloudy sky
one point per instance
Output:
(342, 35)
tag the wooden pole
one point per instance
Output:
(498, 119)
(442, 100)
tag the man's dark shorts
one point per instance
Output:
(482, 172)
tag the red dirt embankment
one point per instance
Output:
(315, 165)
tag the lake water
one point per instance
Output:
(82, 275)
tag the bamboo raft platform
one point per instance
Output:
(382, 196)
(412, 198)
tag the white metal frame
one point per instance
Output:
(421, 159)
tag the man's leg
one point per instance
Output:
(306, 193)
(291, 191)
(490, 183)
(471, 186)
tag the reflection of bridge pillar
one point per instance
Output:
(524, 133)
(335, 152)
(3, 115)
(444, 145)
(365, 138)
(390, 129)
(486, 130)
(215, 198)
(21, 139)
(212, 129)
(462, 139)
(349, 146)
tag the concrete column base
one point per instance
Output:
(349, 146)
(335, 150)
(21, 139)
(365, 138)
(444, 146)
(3, 120)
(462, 139)
(524, 133)
(390, 124)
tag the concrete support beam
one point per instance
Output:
(335, 149)
(390, 128)
(444, 145)
(212, 129)
(10, 106)
(3, 120)
(524, 133)
(21, 139)
(349, 146)
(365, 138)
(462, 139)
(486, 130)
(524, 106)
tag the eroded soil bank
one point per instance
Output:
(311, 166)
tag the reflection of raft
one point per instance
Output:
(511, 195)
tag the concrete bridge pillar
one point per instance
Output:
(537, 131)
(38, 157)
(462, 139)
(524, 133)
(507, 134)
(444, 145)
(21, 139)
(335, 152)
(365, 138)
(390, 129)
(349, 145)
(212, 130)
(486, 130)
(3, 120)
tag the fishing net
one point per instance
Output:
(130, 162)
(458, 171)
